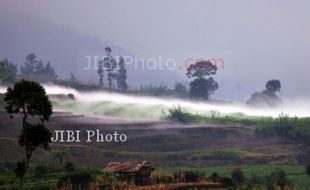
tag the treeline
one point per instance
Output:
(34, 69)
(200, 87)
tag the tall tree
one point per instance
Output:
(122, 75)
(110, 64)
(8, 72)
(49, 72)
(30, 65)
(201, 86)
(29, 100)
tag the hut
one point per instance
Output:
(135, 172)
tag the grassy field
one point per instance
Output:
(295, 173)
(46, 179)
(284, 126)
(8, 180)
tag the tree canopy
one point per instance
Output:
(29, 99)
(201, 86)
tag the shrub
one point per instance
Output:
(255, 179)
(237, 176)
(226, 181)
(215, 177)
(7, 166)
(277, 178)
(71, 96)
(108, 181)
(308, 169)
(295, 129)
(69, 166)
(77, 180)
(190, 176)
(159, 178)
(41, 170)
(179, 115)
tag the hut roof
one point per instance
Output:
(133, 166)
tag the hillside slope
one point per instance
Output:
(162, 143)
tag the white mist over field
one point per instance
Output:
(2, 89)
(144, 107)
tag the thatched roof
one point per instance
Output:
(127, 166)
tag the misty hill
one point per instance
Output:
(64, 48)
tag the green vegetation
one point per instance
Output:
(60, 154)
(69, 166)
(294, 174)
(292, 128)
(75, 180)
(237, 176)
(42, 176)
(256, 174)
(178, 114)
(296, 129)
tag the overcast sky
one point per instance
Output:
(258, 39)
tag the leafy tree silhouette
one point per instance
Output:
(273, 85)
(30, 101)
(110, 64)
(202, 87)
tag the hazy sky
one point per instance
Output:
(258, 39)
